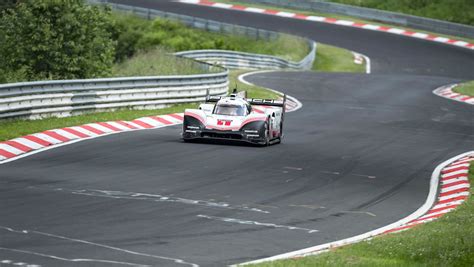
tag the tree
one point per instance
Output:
(56, 39)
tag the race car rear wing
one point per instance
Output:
(254, 101)
(267, 102)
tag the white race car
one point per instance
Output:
(257, 121)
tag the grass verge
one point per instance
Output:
(448, 241)
(335, 59)
(337, 16)
(465, 88)
(158, 62)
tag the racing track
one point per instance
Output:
(357, 156)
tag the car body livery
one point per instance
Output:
(257, 121)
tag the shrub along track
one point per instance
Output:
(357, 156)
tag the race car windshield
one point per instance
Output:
(230, 110)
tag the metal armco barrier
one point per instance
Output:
(422, 23)
(70, 97)
(240, 60)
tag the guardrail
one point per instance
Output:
(70, 97)
(240, 60)
(422, 23)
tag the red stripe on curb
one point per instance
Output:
(37, 140)
(330, 20)
(237, 7)
(429, 217)
(143, 124)
(454, 176)
(92, 129)
(300, 16)
(106, 125)
(6, 154)
(176, 116)
(452, 199)
(74, 132)
(460, 168)
(454, 184)
(128, 125)
(441, 209)
(56, 136)
(460, 190)
(18, 146)
(358, 24)
(270, 12)
(161, 120)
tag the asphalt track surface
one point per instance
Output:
(357, 156)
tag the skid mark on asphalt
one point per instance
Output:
(63, 259)
(246, 222)
(159, 198)
(32, 232)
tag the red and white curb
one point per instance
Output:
(26, 145)
(34, 143)
(454, 190)
(449, 188)
(341, 22)
(447, 92)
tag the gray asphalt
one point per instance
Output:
(357, 156)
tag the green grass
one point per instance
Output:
(337, 16)
(459, 11)
(334, 59)
(14, 128)
(158, 62)
(448, 241)
(465, 89)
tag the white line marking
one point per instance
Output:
(246, 222)
(179, 261)
(66, 259)
(158, 198)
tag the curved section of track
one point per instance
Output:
(357, 156)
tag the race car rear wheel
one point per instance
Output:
(267, 134)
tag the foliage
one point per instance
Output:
(63, 39)
(460, 11)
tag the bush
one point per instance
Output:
(55, 39)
